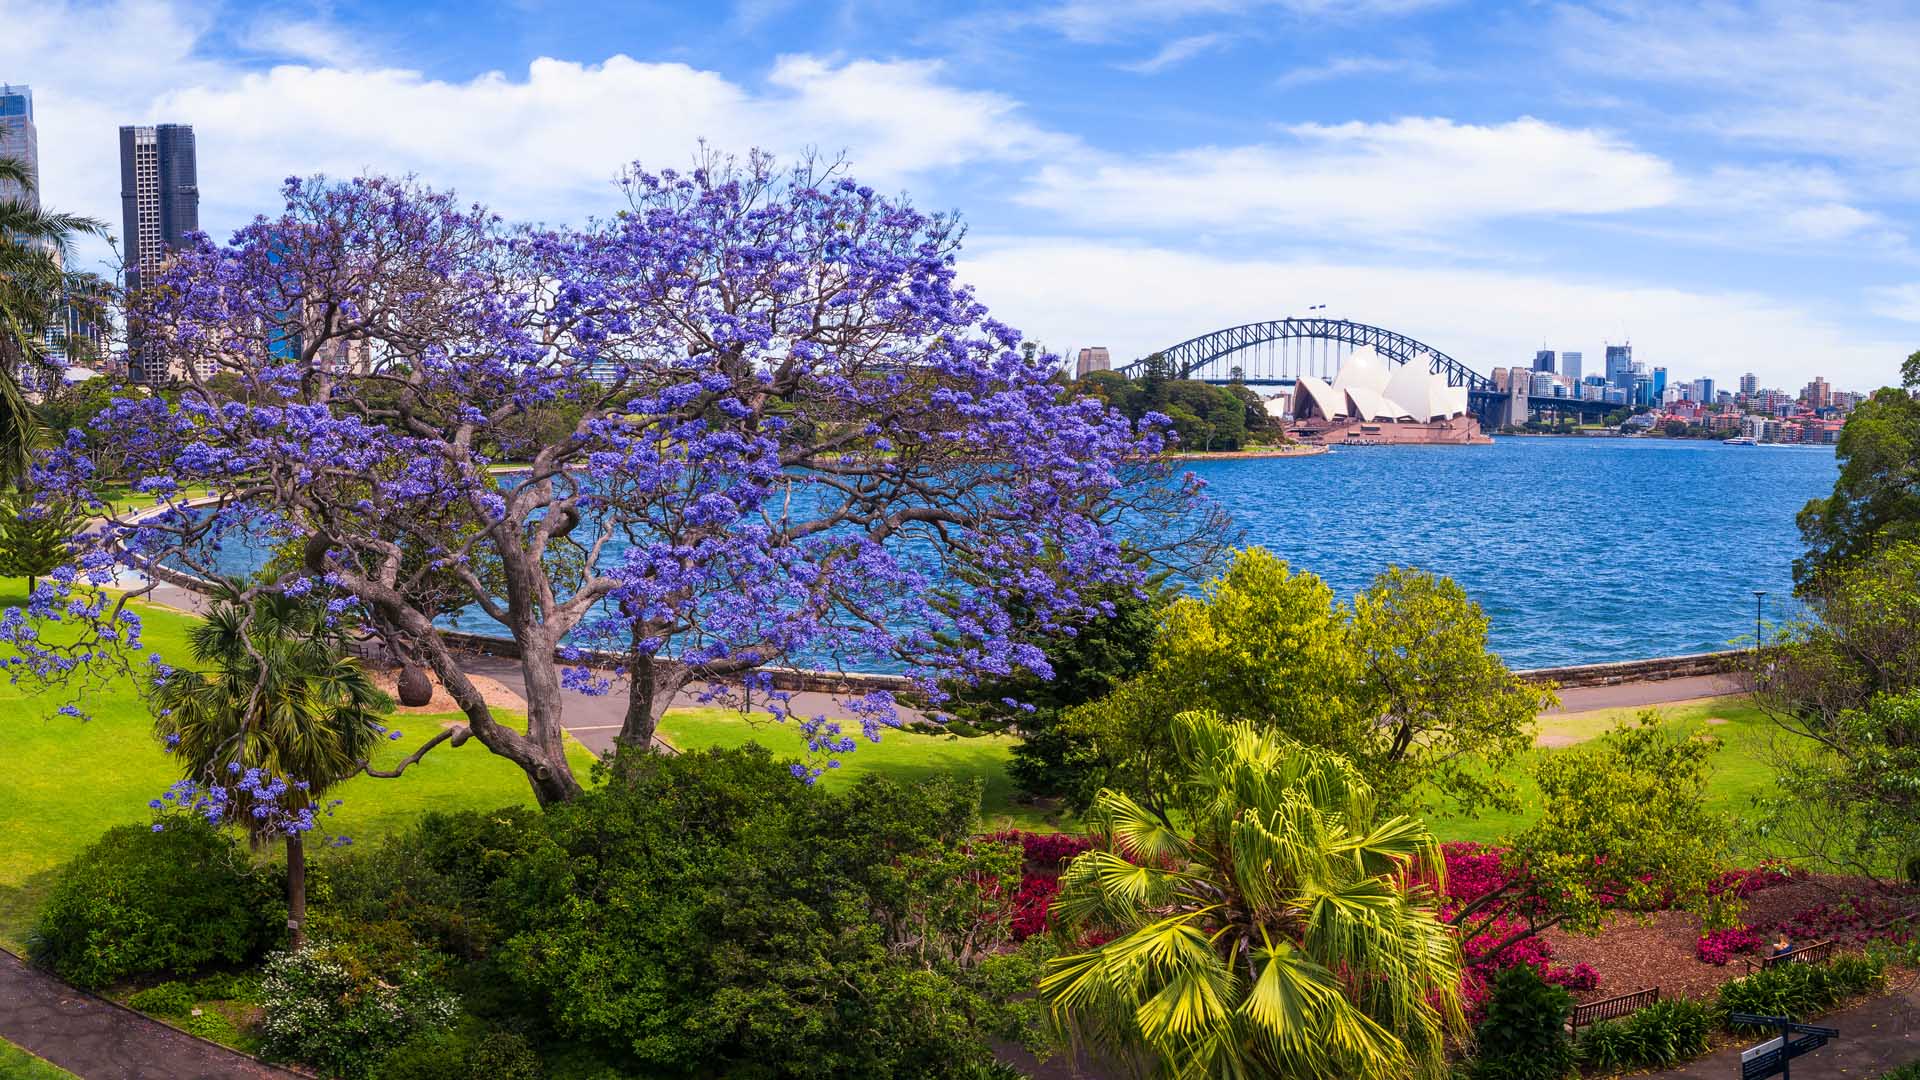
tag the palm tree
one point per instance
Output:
(1290, 935)
(279, 693)
(34, 244)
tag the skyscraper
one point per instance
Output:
(160, 205)
(1093, 359)
(1570, 367)
(19, 140)
(1659, 384)
(1543, 360)
(1620, 366)
(1749, 384)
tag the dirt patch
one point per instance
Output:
(1556, 740)
(1718, 720)
(492, 690)
(1633, 952)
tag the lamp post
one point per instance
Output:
(1758, 596)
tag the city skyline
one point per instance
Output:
(1139, 173)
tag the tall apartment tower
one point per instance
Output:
(1749, 385)
(19, 140)
(1570, 367)
(1620, 366)
(1543, 361)
(159, 205)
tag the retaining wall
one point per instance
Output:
(1626, 671)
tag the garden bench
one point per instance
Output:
(1613, 1008)
(1817, 953)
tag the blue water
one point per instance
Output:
(1580, 550)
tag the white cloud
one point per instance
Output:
(1345, 67)
(1897, 301)
(1177, 51)
(1134, 299)
(1410, 176)
(308, 40)
(1834, 78)
(1104, 20)
(545, 143)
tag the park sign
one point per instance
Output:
(1775, 1055)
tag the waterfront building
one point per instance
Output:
(1620, 366)
(19, 140)
(1543, 383)
(1543, 360)
(1092, 359)
(1613, 395)
(1749, 385)
(1375, 401)
(159, 206)
(1570, 367)
(1818, 393)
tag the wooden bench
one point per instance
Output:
(1613, 1008)
(1817, 953)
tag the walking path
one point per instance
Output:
(98, 1040)
(1875, 1038)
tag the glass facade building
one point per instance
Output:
(19, 140)
(159, 206)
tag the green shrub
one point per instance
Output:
(706, 915)
(328, 1007)
(167, 999)
(1802, 990)
(1909, 1071)
(468, 1050)
(433, 880)
(227, 987)
(140, 901)
(1523, 1036)
(1664, 1033)
(213, 1026)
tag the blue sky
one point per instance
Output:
(1731, 186)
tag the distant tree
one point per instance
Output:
(1675, 429)
(36, 535)
(1876, 499)
(1277, 931)
(1623, 823)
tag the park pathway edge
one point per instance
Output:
(96, 1039)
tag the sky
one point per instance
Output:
(1730, 187)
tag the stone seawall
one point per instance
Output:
(1637, 671)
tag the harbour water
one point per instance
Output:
(1580, 550)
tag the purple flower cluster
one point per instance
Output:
(262, 802)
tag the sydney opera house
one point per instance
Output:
(1373, 400)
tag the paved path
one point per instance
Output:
(1875, 1038)
(1657, 692)
(97, 1040)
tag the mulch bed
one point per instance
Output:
(1633, 952)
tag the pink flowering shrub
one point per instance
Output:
(1717, 947)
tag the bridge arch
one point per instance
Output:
(1207, 356)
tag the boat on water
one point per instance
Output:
(1740, 440)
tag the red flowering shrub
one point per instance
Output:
(1745, 881)
(1717, 947)
(1046, 855)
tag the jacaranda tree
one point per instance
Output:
(1281, 931)
(756, 420)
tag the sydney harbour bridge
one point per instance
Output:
(1279, 351)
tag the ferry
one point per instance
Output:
(1741, 440)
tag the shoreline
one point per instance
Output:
(1296, 450)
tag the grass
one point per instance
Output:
(70, 780)
(903, 755)
(1740, 770)
(17, 1064)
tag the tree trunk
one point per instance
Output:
(652, 686)
(297, 889)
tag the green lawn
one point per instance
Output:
(901, 754)
(1739, 770)
(17, 1064)
(70, 780)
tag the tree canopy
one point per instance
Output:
(1876, 499)
(788, 423)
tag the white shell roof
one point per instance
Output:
(1311, 395)
(1371, 388)
(1363, 368)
